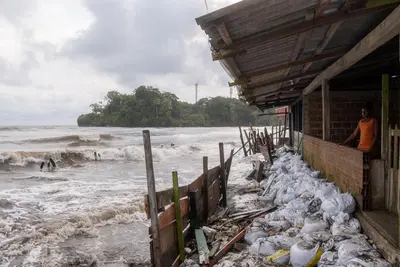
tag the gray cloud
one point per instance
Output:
(129, 43)
(135, 38)
(15, 10)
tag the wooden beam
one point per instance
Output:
(253, 93)
(268, 104)
(290, 64)
(326, 112)
(285, 31)
(272, 114)
(284, 79)
(229, 63)
(223, 31)
(283, 96)
(385, 31)
(328, 36)
(225, 54)
(300, 43)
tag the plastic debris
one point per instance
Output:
(279, 257)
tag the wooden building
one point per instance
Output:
(324, 59)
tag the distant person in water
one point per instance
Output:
(368, 129)
(51, 165)
(97, 156)
(172, 144)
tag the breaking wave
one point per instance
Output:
(33, 232)
(74, 138)
(67, 158)
(65, 139)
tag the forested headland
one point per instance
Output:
(149, 107)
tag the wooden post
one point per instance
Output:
(254, 139)
(222, 174)
(241, 139)
(266, 134)
(385, 118)
(178, 216)
(395, 150)
(291, 128)
(248, 140)
(272, 133)
(284, 128)
(279, 132)
(151, 188)
(326, 111)
(194, 220)
(205, 187)
(228, 168)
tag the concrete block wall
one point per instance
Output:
(342, 165)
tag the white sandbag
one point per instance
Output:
(262, 247)
(367, 261)
(326, 191)
(299, 222)
(328, 259)
(305, 253)
(352, 248)
(283, 242)
(292, 214)
(312, 225)
(283, 225)
(292, 232)
(279, 257)
(348, 228)
(314, 206)
(252, 236)
(340, 203)
(319, 236)
(298, 205)
(341, 217)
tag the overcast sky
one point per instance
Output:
(57, 56)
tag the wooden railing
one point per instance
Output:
(197, 201)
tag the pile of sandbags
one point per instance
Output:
(314, 225)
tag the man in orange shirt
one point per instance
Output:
(367, 128)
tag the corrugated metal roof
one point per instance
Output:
(250, 18)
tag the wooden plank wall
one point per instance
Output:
(166, 208)
(392, 188)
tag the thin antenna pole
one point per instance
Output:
(195, 92)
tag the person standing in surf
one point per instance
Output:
(368, 129)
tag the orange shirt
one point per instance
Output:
(367, 134)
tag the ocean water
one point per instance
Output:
(87, 210)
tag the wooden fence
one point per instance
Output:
(197, 201)
(393, 186)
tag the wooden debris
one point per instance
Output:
(259, 171)
(226, 248)
(204, 252)
(251, 175)
(214, 249)
(251, 215)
